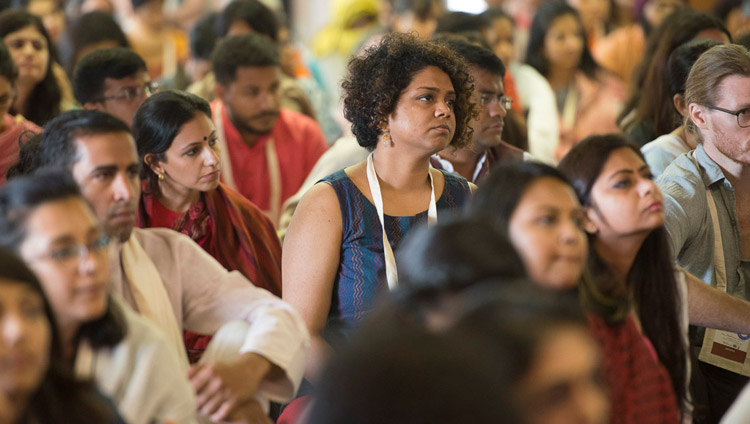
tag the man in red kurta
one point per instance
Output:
(266, 151)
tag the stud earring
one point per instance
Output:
(386, 137)
(161, 177)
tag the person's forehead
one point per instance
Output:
(256, 75)
(106, 149)
(27, 32)
(137, 79)
(486, 80)
(64, 218)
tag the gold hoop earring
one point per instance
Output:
(386, 137)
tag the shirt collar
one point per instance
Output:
(711, 171)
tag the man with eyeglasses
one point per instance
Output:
(707, 206)
(487, 147)
(114, 81)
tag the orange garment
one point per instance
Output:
(509, 83)
(599, 102)
(621, 51)
(299, 142)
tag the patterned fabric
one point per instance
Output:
(232, 230)
(361, 274)
(640, 387)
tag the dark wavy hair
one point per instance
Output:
(18, 200)
(648, 111)
(376, 79)
(546, 14)
(60, 397)
(158, 121)
(44, 100)
(651, 279)
(499, 194)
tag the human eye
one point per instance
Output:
(32, 308)
(64, 252)
(213, 141)
(547, 219)
(450, 102)
(623, 183)
(744, 112)
(38, 45)
(425, 97)
(192, 152)
(16, 44)
(103, 175)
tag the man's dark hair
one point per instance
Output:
(86, 30)
(457, 22)
(94, 68)
(7, 69)
(57, 148)
(250, 50)
(203, 38)
(474, 54)
(259, 17)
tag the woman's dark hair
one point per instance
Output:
(158, 121)
(376, 79)
(545, 16)
(8, 69)
(494, 13)
(19, 198)
(44, 100)
(254, 13)
(649, 112)
(651, 279)
(439, 262)
(86, 30)
(681, 61)
(502, 190)
(60, 397)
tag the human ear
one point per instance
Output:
(679, 103)
(154, 163)
(590, 222)
(220, 90)
(698, 115)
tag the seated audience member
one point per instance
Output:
(539, 210)
(242, 17)
(113, 81)
(11, 127)
(534, 96)
(44, 391)
(487, 147)
(706, 200)
(418, 16)
(267, 151)
(88, 33)
(46, 221)
(162, 47)
(168, 278)
(588, 98)
(649, 112)
(734, 16)
(50, 12)
(40, 91)
(180, 169)
(662, 151)
(347, 226)
(596, 16)
(622, 50)
(202, 42)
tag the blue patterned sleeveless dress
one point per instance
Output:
(361, 274)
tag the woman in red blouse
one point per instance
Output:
(176, 141)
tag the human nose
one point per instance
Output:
(591, 404)
(647, 186)
(443, 109)
(12, 328)
(210, 157)
(122, 187)
(496, 108)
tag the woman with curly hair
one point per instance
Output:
(406, 99)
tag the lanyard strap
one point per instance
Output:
(720, 268)
(391, 272)
(272, 159)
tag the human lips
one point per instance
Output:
(442, 128)
(212, 175)
(655, 206)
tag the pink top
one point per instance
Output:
(299, 143)
(13, 127)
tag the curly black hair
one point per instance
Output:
(376, 79)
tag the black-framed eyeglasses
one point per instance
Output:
(743, 115)
(130, 93)
(487, 99)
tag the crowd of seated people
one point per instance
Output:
(535, 214)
